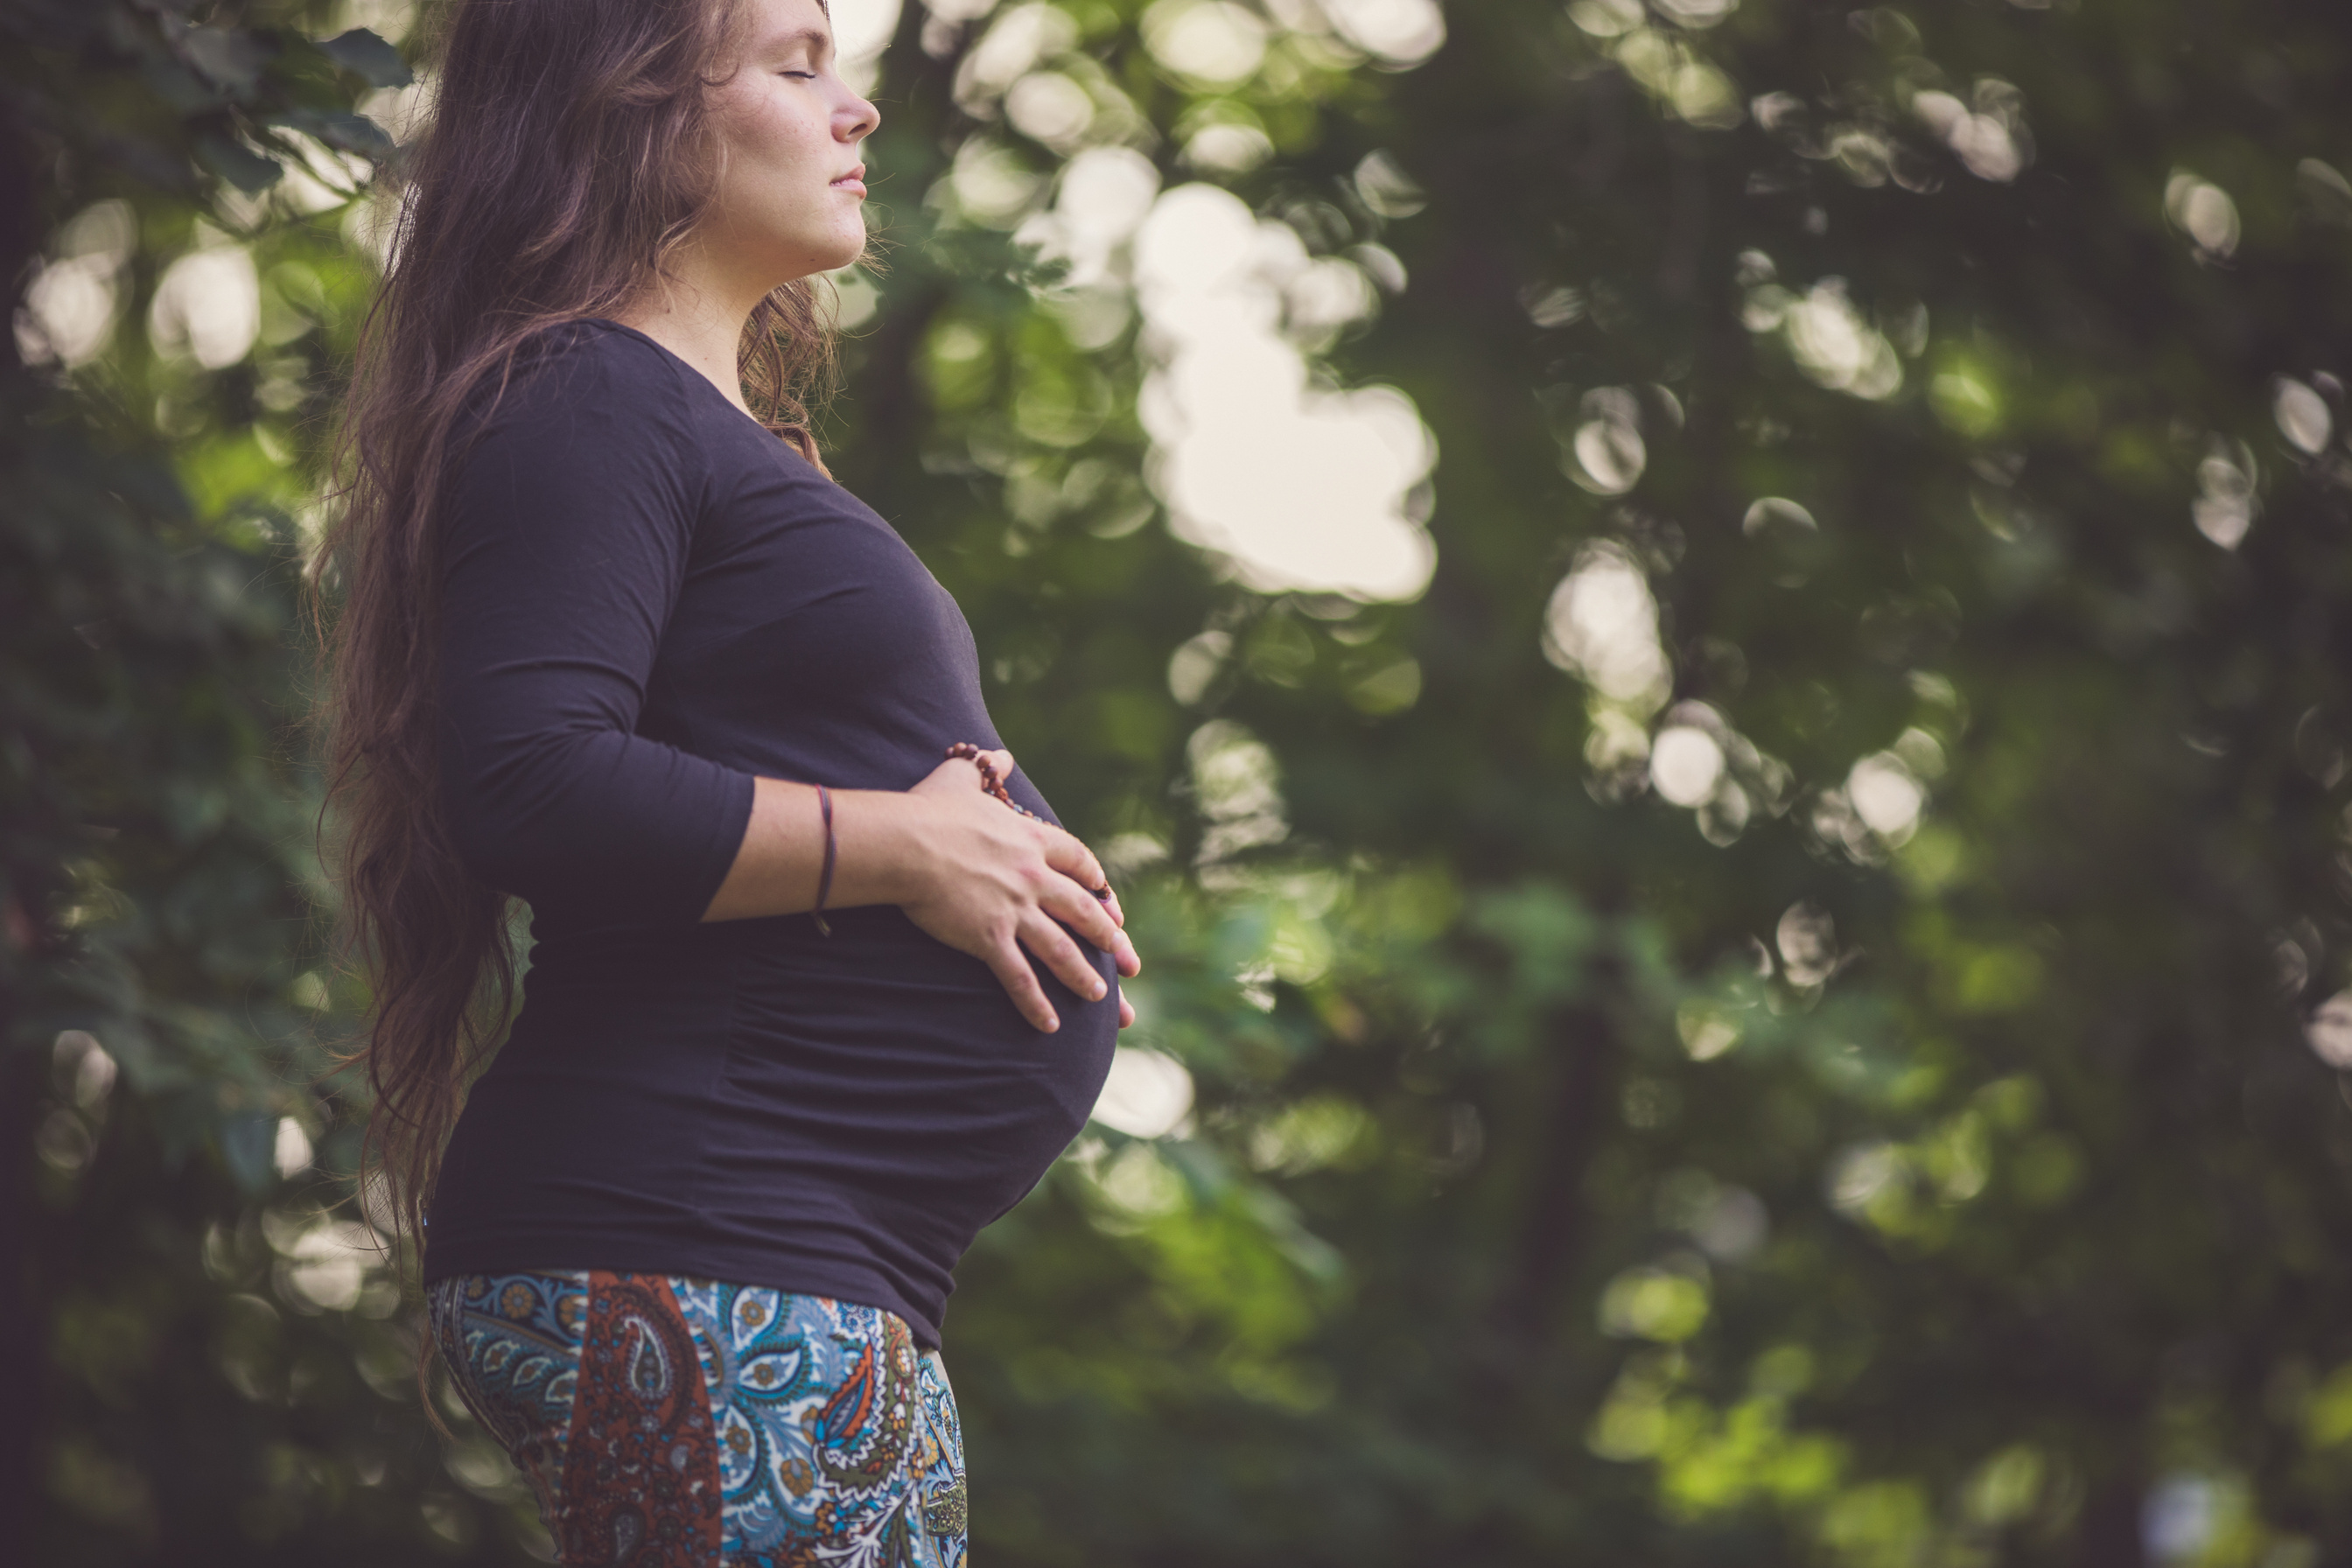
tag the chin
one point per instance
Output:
(831, 252)
(853, 238)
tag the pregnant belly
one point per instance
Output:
(883, 1060)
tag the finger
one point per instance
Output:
(1070, 964)
(1078, 909)
(1125, 1012)
(1054, 949)
(1020, 982)
(1111, 901)
(1068, 854)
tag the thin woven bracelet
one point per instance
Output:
(964, 750)
(824, 878)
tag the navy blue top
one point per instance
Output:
(648, 601)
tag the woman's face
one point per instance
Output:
(791, 190)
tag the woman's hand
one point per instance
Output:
(995, 882)
(982, 879)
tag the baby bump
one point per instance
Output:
(886, 1053)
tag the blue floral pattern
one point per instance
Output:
(513, 1341)
(837, 1438)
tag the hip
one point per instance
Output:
(671, 1420)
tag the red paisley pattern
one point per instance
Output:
(640, 1486)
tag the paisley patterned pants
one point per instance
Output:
(673, 1422)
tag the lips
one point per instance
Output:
(853, 182)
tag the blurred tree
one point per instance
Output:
(1828, 1075)
(1781, 1006)
(218, 1375)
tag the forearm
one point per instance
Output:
(881, 852)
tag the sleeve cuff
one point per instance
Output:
(726, 841)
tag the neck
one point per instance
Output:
(699, 318)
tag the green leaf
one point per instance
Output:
(369, 57)
(342, 129)
(241, 166)
(233, 60)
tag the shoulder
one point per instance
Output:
(589, 378)
(610, 350)
(586, 428)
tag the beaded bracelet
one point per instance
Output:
(964, 750)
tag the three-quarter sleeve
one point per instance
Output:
(567, 530)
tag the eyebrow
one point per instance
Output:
(818, 39)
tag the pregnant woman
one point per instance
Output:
(817, 987)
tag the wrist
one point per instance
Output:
(886, 851)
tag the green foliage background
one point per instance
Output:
(1572, 1175)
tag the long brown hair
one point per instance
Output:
(569, 155)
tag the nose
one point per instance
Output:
(857, 119)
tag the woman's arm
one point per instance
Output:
(982, 879)
(568, 524)
(571, 523)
